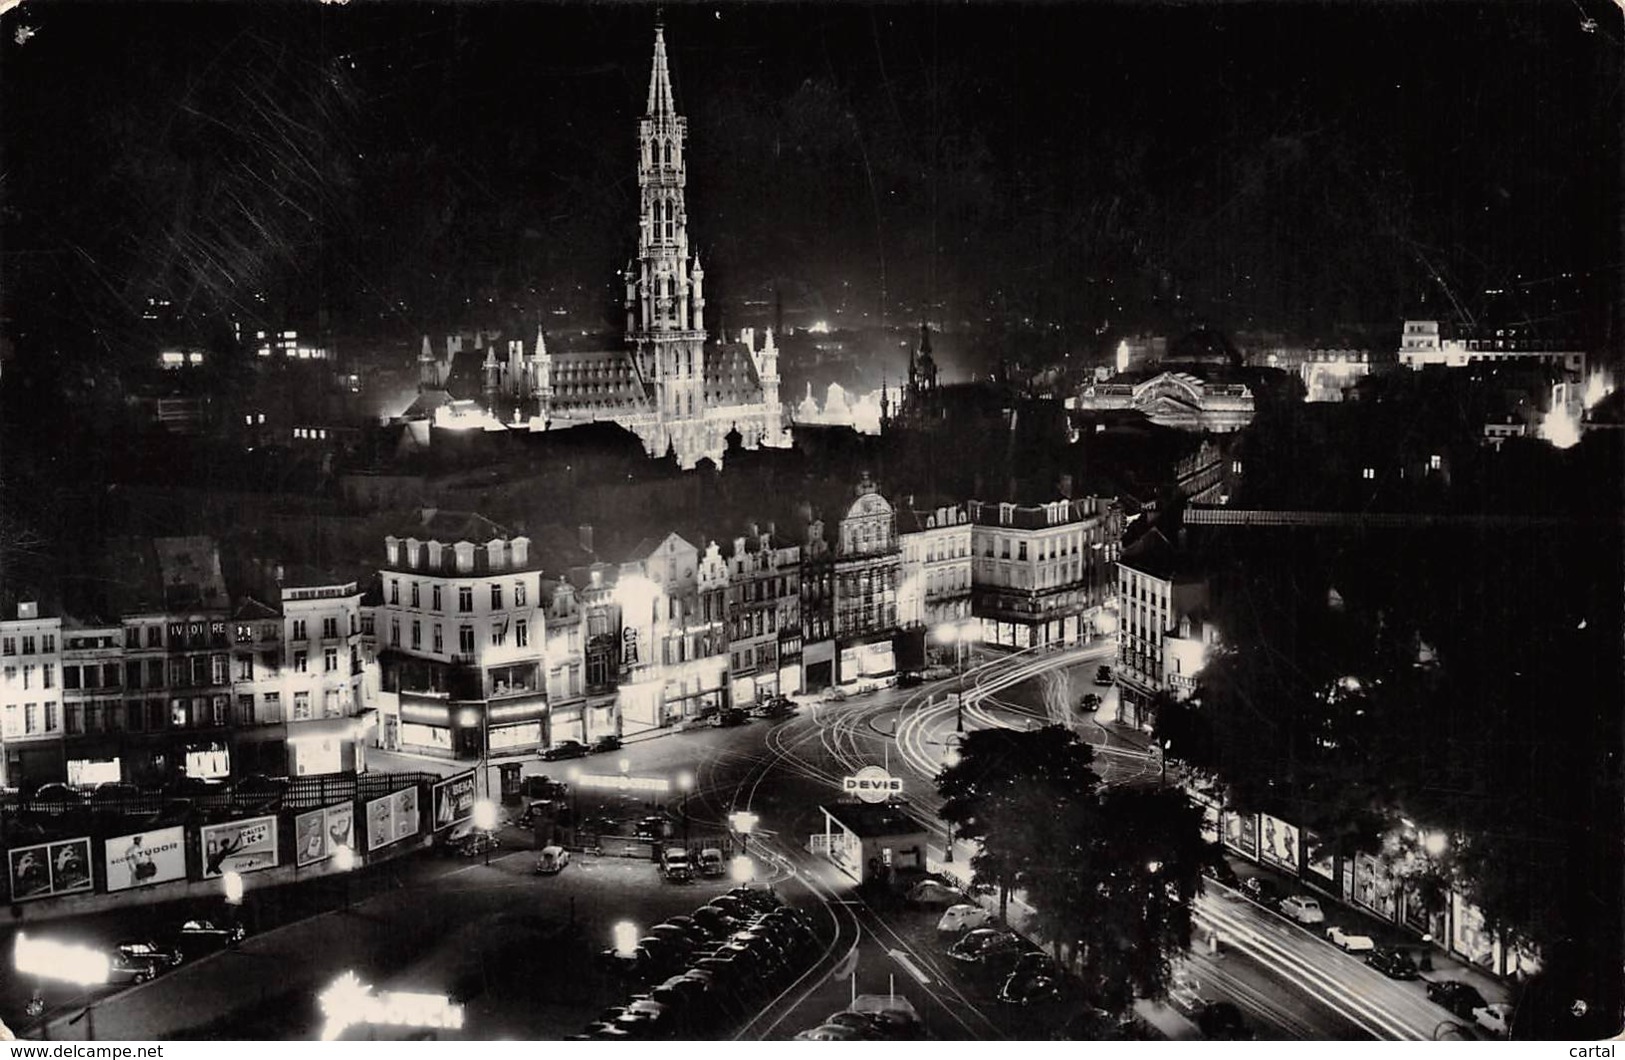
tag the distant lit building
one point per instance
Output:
(258, 702)
(1040, 573)
(322, 675)
(935, 588)
(1326, 373)
(1422, 343)
(92, 700)
(674, 634)
(868, 568)
(817, 609)
(764, 617)
(1181, 399)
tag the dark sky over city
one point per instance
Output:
(1315, 168)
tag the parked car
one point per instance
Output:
(1349, 942)
(829, 1032)
(1031, 987)
(1222, 1020)
(958, 919)
(867, 1028)
(1460, 998)
(652, 827)
(565, 749)
(202, 935)
(1103, 675)
(1260, 890)
(697, 931)
(1303, 909)
(552, 860)
(775, 707)
(1219, 871)
(56, 792)
(893, 1011)
(1395, 964)
(726, 719)
(759, 899)
(933, 894)
(258, 791)
(674, 865)
(114, 792)
(606, 743)
(1495, 1017)
(910, 679)
(474, 843)
(138, 961)
(988, 949)
(717, 921)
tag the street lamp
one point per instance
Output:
(80, 965)
(743, 869)
(485, 819)
(573, 775)
(685, 784)
(344, 863)
(961, 635)
(231, 886)
(743, 821)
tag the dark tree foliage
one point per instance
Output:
(1111, 874)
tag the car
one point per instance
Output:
(735, 906)
(1031, 988)
(565, 749)
(605, 743)
(866, 1026)
(1395, 964)
(727, 719)
(1260, 890)
(829, 1032)
(775, 707)
(258, 791)
(892, 1011)
(169, 956)
(988, 949)
(115, 793)
(958, 919)
(1222, 1020)
(933, 894)
(202, 935)
(1460, 998)
(1219, 871)
(1185, 993)
(757, 898)
(1103, 675)
(716, 921)
(652, 827)
(674, 865)
(60, 793)
(475, 843)
(711, 864)
(1495, 1017)
(1349, 942)
(1303, 909)
(910, 679)
(551, 860)
(137, 962)
(697, 931)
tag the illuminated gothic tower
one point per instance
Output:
(665, 302)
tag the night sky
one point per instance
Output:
(1318, 169)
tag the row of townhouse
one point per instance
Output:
(182, 684)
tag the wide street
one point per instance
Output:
(517, 950)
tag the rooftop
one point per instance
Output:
(867, 819)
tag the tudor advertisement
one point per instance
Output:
(454, 800)
(240, 846)
(50, 869)
(145, 858)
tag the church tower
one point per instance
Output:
(665, 303)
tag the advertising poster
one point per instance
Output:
(1470, 937)
(238, 846)
(1241, 833)
(1374, 887)
(320, 832)
(1279, 843)
(1317, 856)
(454, 800)
(145, 858)
(392, 818)
(50, 869)
(1210, 822)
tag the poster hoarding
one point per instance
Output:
(1374, 887)
(238, 846)
(1241, 832)
(1317, 856)
(454, 800)
(145, 858)
(1278, 844)
(50, 869)
(320, 832)
(392, 818)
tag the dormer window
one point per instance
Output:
(495, 554)
(412, 544)
(392, 549)
(465, 556)
(434, 555)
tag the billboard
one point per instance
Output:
(320, 832)
(454, 800)
(1374, 887)
(238, 846)
(1278, 845)
(1317, 856)
(50, 869)
(392, 818)
(1241, 832)
(145, 858)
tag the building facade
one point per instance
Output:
(764, 609)
(1161, 634)
(935, 590)
(1422, 343)
(1040, 573)
(1173, 399)
(817, 609)
(461, 635)
(92, 701)
(322, 677)
(31, 697)
(868, 571)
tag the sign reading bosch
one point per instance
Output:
(872, 784)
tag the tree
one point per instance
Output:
(1110, 874)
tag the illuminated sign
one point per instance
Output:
(241, 846)
(320, 832)
(872, 784)
(144, 859)
(624, 783)
(454, 800)
(351, 1003)
(392, 818)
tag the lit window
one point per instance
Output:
(1435, 462)
(1368, 473)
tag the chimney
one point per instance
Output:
(584, 533)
